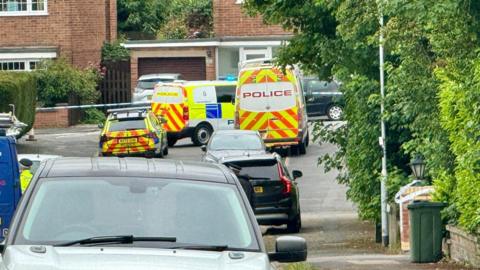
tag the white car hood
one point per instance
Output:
(115, 258)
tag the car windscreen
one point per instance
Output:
(130, 124)
(196, 213)
(235, 142)
(150, 84)
(261, 169)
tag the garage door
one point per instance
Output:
(192, 68)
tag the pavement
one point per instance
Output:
(336, 238)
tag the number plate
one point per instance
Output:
(149, 97)
(258, 189)
(132, 140)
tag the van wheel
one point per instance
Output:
(294, 150)
(171, 141)
(165, 151)
(302, 148)
(202, 134)
(294, 225)
(160, 153)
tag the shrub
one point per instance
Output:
(114, 52)
(460, 116)
(19, 89)
(58, 80)
(93, 116)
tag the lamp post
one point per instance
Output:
(418, 168)
(382, 139)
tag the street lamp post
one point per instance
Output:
(382, 140)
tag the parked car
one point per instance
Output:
(225, 143)
(271, 101)
(277, 198)
(133, 132)
(195, 109)
(323, 98)
(146, 83)
(36, 159)
(110, 213)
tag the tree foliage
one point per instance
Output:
(57, 81)
(141, 19)
(431, 90)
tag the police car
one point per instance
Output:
(195, 109)
(133, 132)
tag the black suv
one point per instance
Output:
(323, 98)
(277, 199)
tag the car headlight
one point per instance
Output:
(138, 90)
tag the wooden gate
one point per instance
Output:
(115, 86)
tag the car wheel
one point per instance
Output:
(307, 140)
(202, 134)
(335, 112)
(294, 225)
(160, 153)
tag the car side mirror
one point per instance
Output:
(204, 148)
(289, 249)
(296, 174)
(162, 120)
(100, 126)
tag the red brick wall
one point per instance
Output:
(51, 119)
(229, 20)
(78, 28)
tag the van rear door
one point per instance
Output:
(169, 102)
(269, 107)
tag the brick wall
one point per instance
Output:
(463, 247)
(229, 20)
(52, 119)
(77, 28)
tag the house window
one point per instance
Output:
(18, 65)
(23, 7)
(239, 1)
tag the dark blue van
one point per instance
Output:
(10, 192)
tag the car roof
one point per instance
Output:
(202, 83)
(249, 158)
(159, 76)
(37, 157)
(136, 167)
(237, 132)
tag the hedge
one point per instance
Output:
(460, 116)
(19, 89)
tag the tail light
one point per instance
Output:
(287, 184)
(186, 115)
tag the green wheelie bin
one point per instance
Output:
(426, 231)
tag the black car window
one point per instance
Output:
(127, 124)
(225, 93)
(317, 87)
(265, 169)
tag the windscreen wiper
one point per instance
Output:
(118, 239)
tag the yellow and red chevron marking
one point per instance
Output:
(265, 75)
(142, 144)
(173, 113)
(253, 120)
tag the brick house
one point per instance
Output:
(237, 37)
(32, 30)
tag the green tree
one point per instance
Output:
(141, 19)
